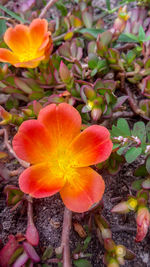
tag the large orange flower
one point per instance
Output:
(60, 155)
(29, 44)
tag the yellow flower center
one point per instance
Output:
(90, 104)
(132, 203)
(27, 55)
(64, 166)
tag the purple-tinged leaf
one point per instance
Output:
(146, 184)
(21, 260)
(8, 250)
(32, 234)
(31, 252)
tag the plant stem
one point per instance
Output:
(65, 238)
(45, 9)
(10, 149)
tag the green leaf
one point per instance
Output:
(148, 164)
(93, 72)
(86, 243)
(131, 55)
(82, 263)
(121, 150)
(137, 185)
(128, 38)
(141, 34)
(92, 61)
(139, 130)
(47, 253)
(115, 131)
(12, 14)
(132, 154)
(141, 171)
(3, 26)
(87, 19)
(148, 131)
(94, 32)
(108, 4)
(60, 6)
(102, 64)
(115, 146)
(147, 38)
(122, 124)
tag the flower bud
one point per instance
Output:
(96, 114)
(143, 222)
(121, 208)
(6, 116)
(89, 92)
(109, 244)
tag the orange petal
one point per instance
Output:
(17, 38)
(83, 190)
(63, 123)
(92, 146)
(31, 63)
(46, 40)
(38, 29)
(7, 56)
(41, 181)
(32, 142)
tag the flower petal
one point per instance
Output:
(30, 64)
(41, 180)
(92, 146)
(63, 123)
(38, 29)
(7, 56)
(17, 38)
(83, 190)
(32, 142)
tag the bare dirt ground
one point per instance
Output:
(48, 212)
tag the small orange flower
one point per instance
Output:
(29, 44)
(60, 155)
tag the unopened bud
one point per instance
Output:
(109, 244)
(89, 92)
(96, 114)
(6, 116)
(143, 222)
(121, 208)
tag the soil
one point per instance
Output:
(48, 212)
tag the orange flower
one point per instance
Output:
(29, 44)
(60, 155)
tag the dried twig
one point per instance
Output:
(10, 149)
(123, 114)
(45, 9)
(133, 104)
(120, 228)
(126, 47)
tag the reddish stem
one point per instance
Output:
(65, 238)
